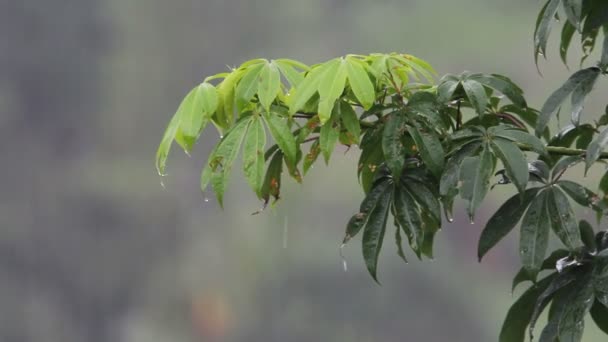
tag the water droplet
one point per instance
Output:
(188, 153)
(540, 53)
(206, 199)
(221, 137)
(344, 264)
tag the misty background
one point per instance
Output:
(93, 249)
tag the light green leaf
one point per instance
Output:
(514, 161)
(282, 136)
(476, 95)
(196, 110)
(556, 99)
(330, 132)
(430, 148)
(534, 236)
(391, 143)
(165, 144)
(293, 77)
(595, 148)
(253, 155)
(475, 174)
(306, 89)
(563, 221)
(360, 83)
(350, 121)
(331, 87)
(248, 84)
(373, 233)
(269, 84)
(504, 220)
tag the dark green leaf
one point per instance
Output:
(579, 193)
(503, 85)
(430, 148)
(543, 27)
(549, 264)
(563, 221)
(426, 198)
(556, 99)
(475, 174)
(540, 169)
(567, 33)
(253, 155)
(408, 217)
(282, 136)
(504, 220)
(393, 149)
(599, 313)
(430, 228)
(359, 220)
(522, 137)
(476, 95)
(573, 9)
(579, 94)
(373, 233)
(565, 163)
(514, 161)
(451, 174)
(595, 148)
(399, 242)
(330, 132)
(534, 236)
(469, 133)
(604, 183)
(446, 88)
(587, 234)
(604, 58)
(520, 313)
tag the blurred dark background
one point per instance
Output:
(93, 249)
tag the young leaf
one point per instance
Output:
(248, 85)
(514, 161)
(360, 84)
(350, 121)
(475, 174)
(165, 144)
(520, 313)
(291, 74)
(562, 219)
(504, 220)
(534, 236)
(595, 148)
(282, 136)
(556, 99)
(476, 95)
(392, 146)
(331, 87)
(430, 148)
(253, 155)
(269, 84)
(306, 89)
(329, 134)
(373, 234)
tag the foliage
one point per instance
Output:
(424, 144)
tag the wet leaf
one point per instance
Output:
(330, 132)
(359, 220)
(599, 313)
(394, 153)
(476, 95)
(272, 180)
(543, 27)
(534, 236)
(562, 219)
(253, 155)
(475, 174)
(373, 233)
(360, 83)
(408, 217)
(514, 161)
(430, 148)
(282, 136)
(522, 137)
(503, 85)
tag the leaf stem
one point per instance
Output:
(562, 151)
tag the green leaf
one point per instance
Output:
(543, 28)
(195, 111)
(475, 174)
(218, 167)
(514, 161)
(306, 89)
(504, 220)
(226, 94)
(425, 197)
(165, 144)
(291, 74)
(393, 149)
(522, 137)
(579, 193)
(604, 58)
(556, 99)
(373, 234)
(272, 180)
(599, 313)
(399, 243)
(408, 217)
(311, 156)
(360, 83)
(580, 93)
(451, 174)
(468, 133)
(476, 95)
(359, 220)
(447, 87)
(269, 84)
(549, 264)
(350, 121)
(587, 235)
(430, 148)
(426, 105)
(566, 38)
(331, 87)
(330, 132)
(282, 136)
(430, 229)
(503, 85)
(253, 155)
(520, 313)
(248, 85)
(563, 221)
(595, 148)
(534, 236)
(573, 10)
(564, 164)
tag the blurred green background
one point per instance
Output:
(92, 248)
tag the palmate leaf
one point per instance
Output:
(359, 82)
(503, 85)
(248, 84)
(429, 146)
(543, 27)
(475, 173)
(282, 136)
(514, 161)
(504, 220)
(595, 148)
(520, 313)
(329, 134)
(331, 86)
(521, 137)
(253, 155)
(534, 236)
(373, 233)
(392, 146)
(582, 78)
